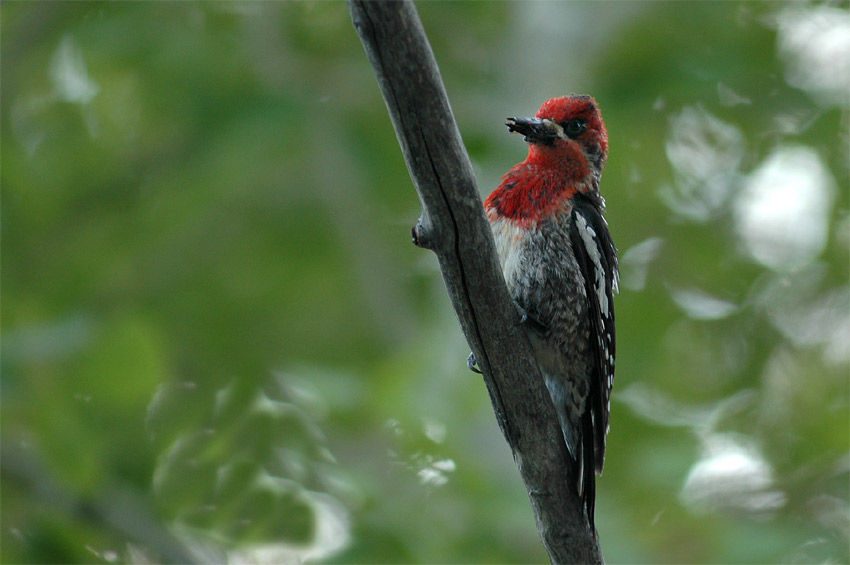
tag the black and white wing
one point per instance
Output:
(597, 258)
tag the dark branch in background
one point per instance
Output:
(113, 508)
(454, 227)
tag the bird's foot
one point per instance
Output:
(472, 363)
(523, 315)
(528, 321)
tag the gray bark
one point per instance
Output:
(454, 227)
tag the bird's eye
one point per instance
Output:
(575, 127)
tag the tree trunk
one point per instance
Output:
(453, 225)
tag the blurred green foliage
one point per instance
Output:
(218, 343)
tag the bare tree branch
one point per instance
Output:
(454, 227)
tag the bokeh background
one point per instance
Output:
(219, 344)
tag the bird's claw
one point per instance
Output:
(528, 321)
(523, 315)
(472, 363)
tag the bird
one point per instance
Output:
(560, 265)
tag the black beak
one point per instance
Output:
(535, 130)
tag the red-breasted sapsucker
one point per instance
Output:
(560, 265)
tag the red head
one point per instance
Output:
(567, 133)
(568, 146)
